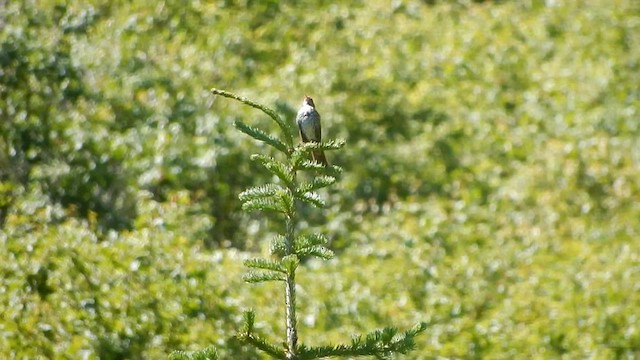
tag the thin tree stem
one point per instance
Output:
(292, 331)
(290, 296)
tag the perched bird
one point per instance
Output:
(308, 121)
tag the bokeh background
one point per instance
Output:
(491, 186)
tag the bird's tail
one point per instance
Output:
(319, 157)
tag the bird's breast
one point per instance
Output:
(307, 123)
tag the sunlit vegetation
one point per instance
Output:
(491, 184)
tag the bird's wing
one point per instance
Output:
(318, 129)
(304, 138)
(299, 122)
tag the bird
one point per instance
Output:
(308, 120)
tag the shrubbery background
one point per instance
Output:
(491, 186)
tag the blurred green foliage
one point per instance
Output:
(491, 186)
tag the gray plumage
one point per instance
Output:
(308, 120)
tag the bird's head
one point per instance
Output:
(309, 101)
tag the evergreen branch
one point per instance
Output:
(302, 151)
(265, 264)
(272, 114)
(318, 183)
(380, 343)
(287, 201)
(249, 321)
(312, 245)
(333, 144)
(261, 135)
(415, 330)
(261, 191)
(301, 161)
(262, 276)
(298, 157)
(263, 345)
(307, 164)
(322, 181)
(278, 246)
(301, 248)
(209, 353)
(264, 204)
(311, 198)
(318, 251)
(307, 147)
(279, 169)
(267, 197)
(247, 336)
(290, 262)
(310, 240)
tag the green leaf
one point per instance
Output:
(310, 240)
(268, 197)
(290, 262)
(248, 336)
(317, 251)
(311, 198)
(264, 264)
(380, 343)
(249, 320)
(209, 353)
(317, 183)
(262, 276)
(387, 334)
(312, 245)
(281, 170)
(264, 204)
(303, 150)
(309, 165)
(261, 135)
(298, 157)
(261, 191)
(286, 199)
(277, 245)
(333, 144)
